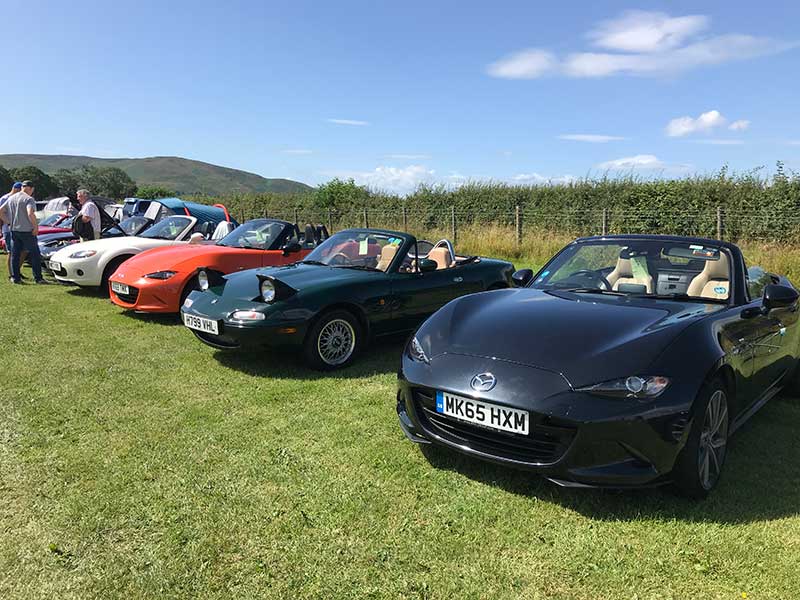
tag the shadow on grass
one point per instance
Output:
(759, 481)
(168, 319)
(381, 356)
(83, 292)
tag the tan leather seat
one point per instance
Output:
(623, 273)
(443, 258)
(387, 255)
(713, 281)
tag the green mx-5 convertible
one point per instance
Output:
(358, 284)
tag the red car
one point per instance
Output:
(158, 280)
(57, 223)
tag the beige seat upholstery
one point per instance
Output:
(443, 258)
(387, 255)
(623, 273)
(713, 281)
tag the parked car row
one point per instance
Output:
(625, 361)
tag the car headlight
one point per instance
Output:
(203, 281)
(267, 290)
(83, 254)
(415, 351)
(160, 275)
(248, 315)
(630, 387)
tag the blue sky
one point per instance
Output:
(394, 94)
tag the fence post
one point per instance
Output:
(405, 219)
(604, 227)
(366, 218)
(719, 222)
(518, 224)
(453, 224)
(266, 212)
(330, 221)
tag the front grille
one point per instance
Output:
(131, 297)
(546, 442)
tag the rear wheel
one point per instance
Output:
(700, 463)
(333, 340)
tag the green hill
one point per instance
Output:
(180, 174)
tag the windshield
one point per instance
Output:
(357, 250)
(260, 234)
(642, 268)
(168, 229)
(131, 225)
(52, 221)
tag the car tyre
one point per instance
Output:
(699, 465)
(109, 271)
(333, 340)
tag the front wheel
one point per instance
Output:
(332, 342)
(700, 463)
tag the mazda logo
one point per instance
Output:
(483, 382)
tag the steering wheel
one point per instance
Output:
(596, 279)
(340, 258)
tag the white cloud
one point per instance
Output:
(525, 64)
(642, 31)
(590, 137)
(686, 125)
(721, 142)
(646, 44)
(640, 161)
(739, 125)
(537, 179)
(348, 122)
(409, 156)
(297, 151)
(395, 179)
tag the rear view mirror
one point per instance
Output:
(522, 277)
(291, 247)
(779, 296)
(426, 265)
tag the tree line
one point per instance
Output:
(109, 182)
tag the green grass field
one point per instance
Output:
(136, 462)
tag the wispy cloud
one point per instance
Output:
(640, 161)
(409, 156)
(686, 125)
(645, 44)
(348, 122)
(739, 125)
(590, 138)
(297, 151)
(538, 179)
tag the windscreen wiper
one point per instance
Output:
(680, 296)
(590, 291)
(313, 262)
(359, 267)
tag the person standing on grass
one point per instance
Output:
(6, 227)
(19, 212)
(89, 213)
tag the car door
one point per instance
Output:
(416, 296)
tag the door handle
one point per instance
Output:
(458, 279)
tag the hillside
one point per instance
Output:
(180, 174)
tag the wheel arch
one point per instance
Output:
(350, 307)
(725, 372)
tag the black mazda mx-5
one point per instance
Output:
(625, 361)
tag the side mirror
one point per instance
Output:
(779, 296)
(522, 277)
(291, 247)
(426, 265)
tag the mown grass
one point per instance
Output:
(136, 462)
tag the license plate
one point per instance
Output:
(55, 266)
(120, 288)
(201, 324)
(482, 413)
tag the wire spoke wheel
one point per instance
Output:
(336, 342)
(713, 440)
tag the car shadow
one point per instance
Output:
(82, 292)
(168, 319)
(381, 356)
(759, 482)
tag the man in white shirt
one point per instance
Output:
(89, 213)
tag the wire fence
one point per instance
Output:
(752, 224)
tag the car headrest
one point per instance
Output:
(387, 254)
(717, 269)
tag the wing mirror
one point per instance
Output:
(522, 277)
(426, 265)
(779, 296)
(291, 247)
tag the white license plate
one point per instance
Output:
(200, 324)
(55, 266)
(482, 413)
(120, 288)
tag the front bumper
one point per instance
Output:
(575, 439)
(82, 272)
(149, 295)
